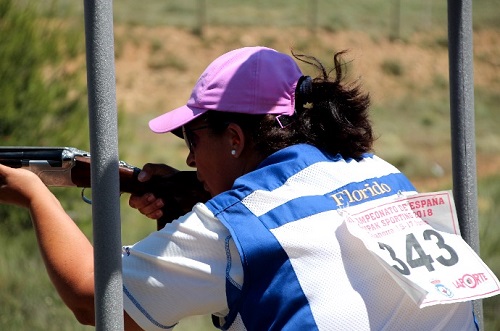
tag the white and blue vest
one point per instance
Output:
(302, 268)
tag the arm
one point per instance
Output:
(66, 252)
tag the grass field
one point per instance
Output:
(400, 56)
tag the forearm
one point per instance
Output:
(68, 257)
(67, 253)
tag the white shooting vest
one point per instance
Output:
(303, 270)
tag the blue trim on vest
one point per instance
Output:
(294, 209)
(145, 313)
(262, 285)
(271, 174)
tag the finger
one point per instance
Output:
(148, 171)
(156, 214)
(154, 169)
(5, 170)
(144, 176)
(147, 204)
(19, 186)
(141, 201)
(152, 208)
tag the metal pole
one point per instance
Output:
(104, 164)
(313, 16)
(201, 17)
(396, 21)
(463, 144)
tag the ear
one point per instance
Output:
(236, 139)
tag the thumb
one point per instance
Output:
(155, 169)
(144, 176)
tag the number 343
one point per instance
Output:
(416, 256)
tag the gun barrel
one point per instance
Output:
(52, 164)
(11, 163)
(30, 153)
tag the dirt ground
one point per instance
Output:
(157, 67)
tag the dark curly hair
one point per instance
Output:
(330, 114)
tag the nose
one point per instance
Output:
(190, 160)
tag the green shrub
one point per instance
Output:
(35, 87)
(41, 102)
(392, 67)
(489, 232)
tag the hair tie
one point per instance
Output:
(304, 93)
(303, 100)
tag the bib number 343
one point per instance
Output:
(417, 257)
(416, 239)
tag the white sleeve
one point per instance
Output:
(179, 271)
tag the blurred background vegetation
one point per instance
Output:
(398, 48)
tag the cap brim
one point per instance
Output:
(174, 119)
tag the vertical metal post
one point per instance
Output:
(396, 21)
(313, 16)
(104, 164)
(201, 17)
(462, 125)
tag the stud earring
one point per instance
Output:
(233, 152)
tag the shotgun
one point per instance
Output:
(70, 167)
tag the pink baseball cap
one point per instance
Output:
(250, 80)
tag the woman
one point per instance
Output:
(279, 153)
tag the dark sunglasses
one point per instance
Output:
(188, 135)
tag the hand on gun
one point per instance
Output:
(18, 186)
(166, 193)
(148, 204)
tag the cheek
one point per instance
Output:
(213, 162)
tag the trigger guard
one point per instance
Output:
(84, 198)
